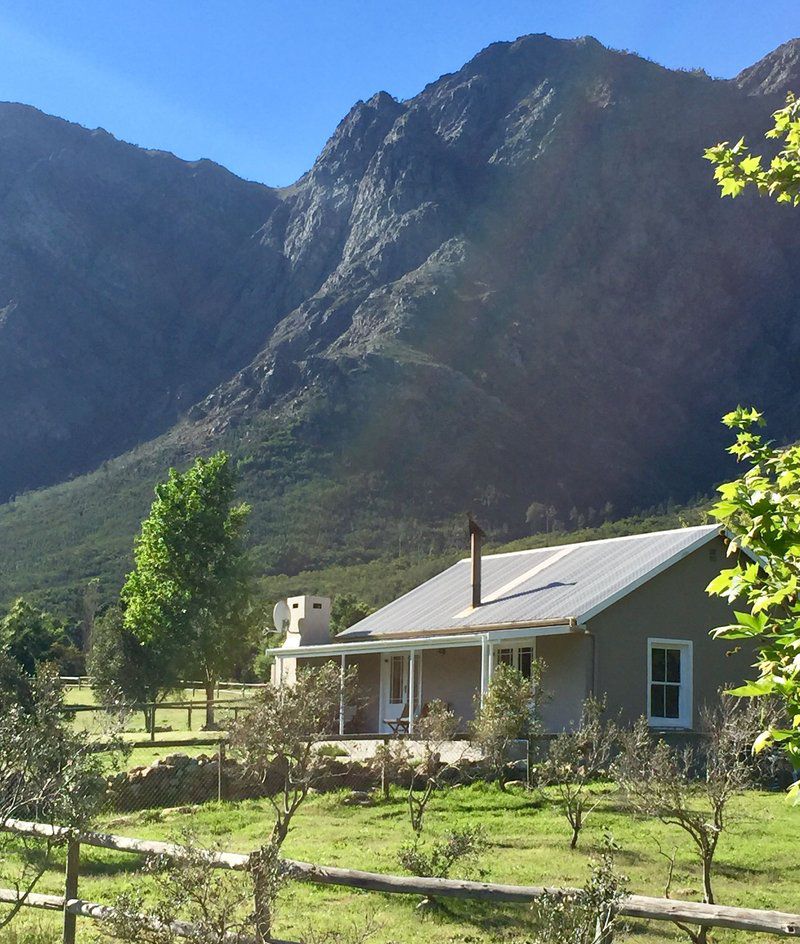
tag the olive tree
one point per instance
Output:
(577, 757)
(212, 906)
(507, 714)
(278, 743)
(692, 789)
(48, 773)
(435, 730)
(589, 915)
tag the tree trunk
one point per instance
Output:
(708, 892)
(263, 866)
(150, 720)
(210, 725)
(576, 828)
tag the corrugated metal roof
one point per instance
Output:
(561, 582)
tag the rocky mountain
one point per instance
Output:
(519, 285)
(777, 73)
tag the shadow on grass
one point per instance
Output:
(111, 868)
(663, 930)
(481, 914)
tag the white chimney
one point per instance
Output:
(309, 621)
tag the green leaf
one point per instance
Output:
(754, 689)
(750, 164)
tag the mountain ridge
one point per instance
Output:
(518, 285)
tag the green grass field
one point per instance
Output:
(756, 866)
(170, 722)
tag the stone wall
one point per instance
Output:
(178, 779)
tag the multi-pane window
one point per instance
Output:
(397, 671)
(518, 657)
(669, 683)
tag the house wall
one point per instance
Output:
(362, 720)
(368, 667)
(566, 678)
(454, 677)
(673, 605)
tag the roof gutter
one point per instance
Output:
(433, 639)
(570, 621)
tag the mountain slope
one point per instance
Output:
(115, 266)
(519, 285)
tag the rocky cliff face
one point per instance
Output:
(530, 285)
(777, 73)
(520, 284)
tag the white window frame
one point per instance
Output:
(515, 647)
(685, 717)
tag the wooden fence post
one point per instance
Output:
(384, 771)
(71, 888)
(221, 772)
(528, 759)
(189, 718)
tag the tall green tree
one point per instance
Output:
(347, 609)
(737, 168)
(126, 670)
(190, 590)
(29, 635)
(761, 510)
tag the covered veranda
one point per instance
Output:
(399, 675)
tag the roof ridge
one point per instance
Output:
(611, 540)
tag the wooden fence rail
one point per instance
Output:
(231, 704)
(85, 681)
(635, 906)
(78, 908)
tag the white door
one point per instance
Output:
(394, 688)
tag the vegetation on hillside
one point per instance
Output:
(57, 541)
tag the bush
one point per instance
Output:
(509, 713)
(587, 916)
(458, 845)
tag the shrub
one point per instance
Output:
(587, 916)
(458, 845)
(509, 713)
(576, 758)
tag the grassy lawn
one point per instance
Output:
(170, 722)
(756, 865)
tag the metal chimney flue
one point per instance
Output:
(476, 536)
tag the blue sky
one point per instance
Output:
(259, 85)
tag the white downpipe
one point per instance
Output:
(341, 694)
(484, 666)
(411, 693)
